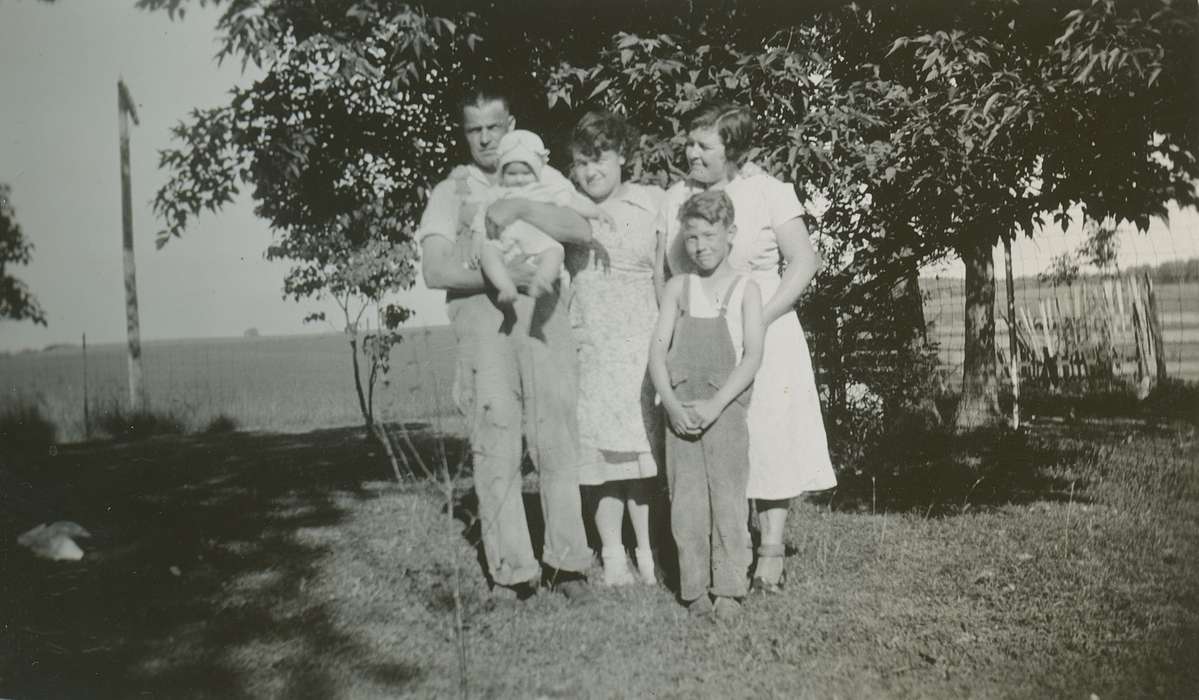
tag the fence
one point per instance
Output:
(1095, 326)
(1092, 327)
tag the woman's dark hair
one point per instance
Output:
(601, 131)
(733, 123)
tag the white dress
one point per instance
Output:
(788, 449)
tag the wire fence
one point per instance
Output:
(1127, 323)
(1138, 319)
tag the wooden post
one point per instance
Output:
(1013, 345)
(126, 110)
(87, 422)
(1155, 329)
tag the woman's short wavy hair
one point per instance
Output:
(733, 123)
(600, 131)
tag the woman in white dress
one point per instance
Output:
(788, 450)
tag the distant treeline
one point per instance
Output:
(1172, 271)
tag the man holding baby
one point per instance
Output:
(511, 383)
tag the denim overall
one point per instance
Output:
(708, 475)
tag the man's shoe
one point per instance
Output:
(727, 609)
(700, 608)
(574, 587)
(516, 592)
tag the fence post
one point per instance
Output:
(125, 111)
(87, 422)
(1013, 347)
(1155, 330)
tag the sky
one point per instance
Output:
(59, 64)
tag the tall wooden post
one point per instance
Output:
(87, 420)
(1155, 330)
(125, 111)
(1013, 345)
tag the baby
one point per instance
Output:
(522, 162)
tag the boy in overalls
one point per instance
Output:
(707, 347)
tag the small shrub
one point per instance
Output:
(24, 427)
(120, 423)
(1176, 399)
(221, 424)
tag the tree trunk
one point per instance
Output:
(366, 412)
(979, 405)
(917, 409)
(911, 299)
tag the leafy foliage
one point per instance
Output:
(914, 130)
(16, 301)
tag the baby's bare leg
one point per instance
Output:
(549, 269)
(491, 261)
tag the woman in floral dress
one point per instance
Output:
(614, 309)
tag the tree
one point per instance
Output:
(331, 140)
(16, 301)
(927, 129)
(1029, 110)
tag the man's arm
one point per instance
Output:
(442, 268)
(560, 223)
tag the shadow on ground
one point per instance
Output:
(185, 530)
(940, 474)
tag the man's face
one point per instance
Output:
(484, 124)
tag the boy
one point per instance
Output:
(707, 347)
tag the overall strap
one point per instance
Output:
(685, 299)
(728, 296)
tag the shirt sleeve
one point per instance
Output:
(655, 196)
(440, 217)
(554, 178)
(781, 201)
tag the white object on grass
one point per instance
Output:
(54, 541)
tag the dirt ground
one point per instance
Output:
(1059, 563)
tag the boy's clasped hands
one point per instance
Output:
(692, 418)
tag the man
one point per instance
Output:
(509, 382)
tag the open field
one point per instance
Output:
(1057, 563)
(299, 383)
(1178, 307)
(285, 383)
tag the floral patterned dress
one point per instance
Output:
(614, 310)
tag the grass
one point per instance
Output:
(24, 427)
(120, 423)
(220, 424)
(1056, 563)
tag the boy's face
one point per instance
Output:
(517, 175)
(706, 243)
(484, 125)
